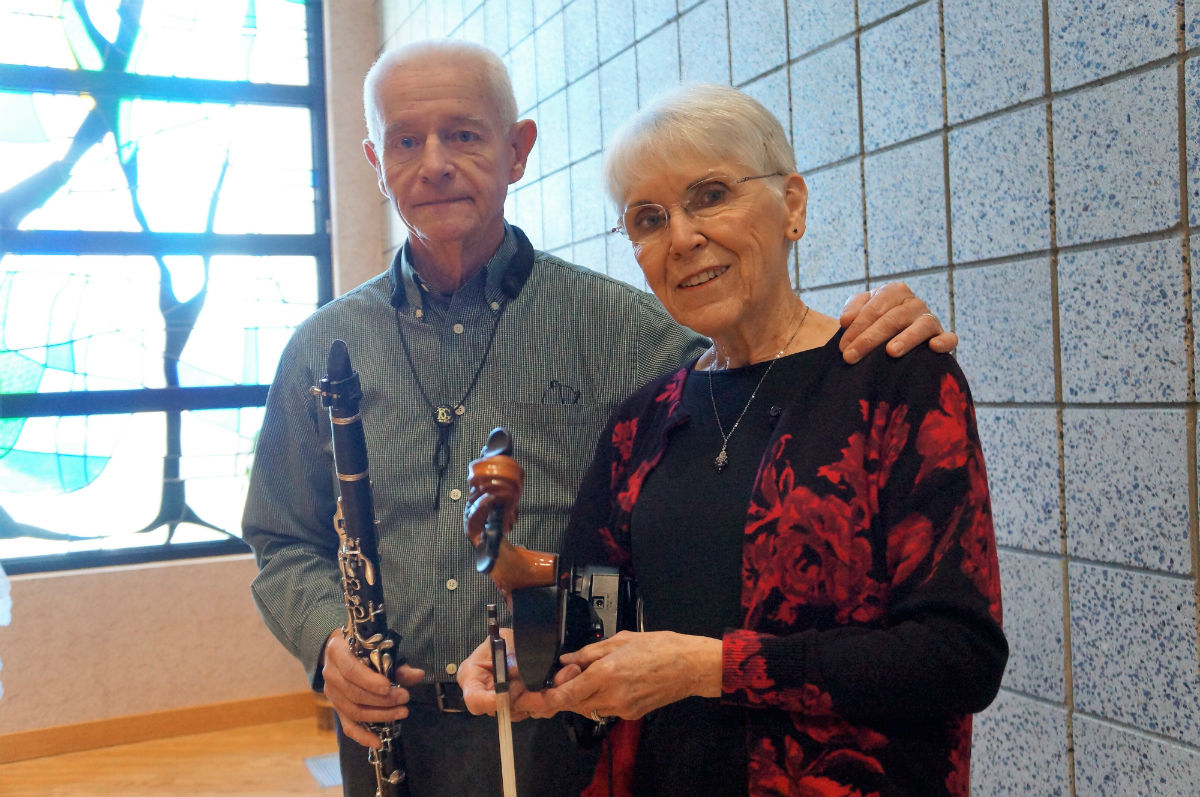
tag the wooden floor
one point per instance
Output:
(256, 760)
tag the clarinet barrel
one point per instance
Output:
(366, 630)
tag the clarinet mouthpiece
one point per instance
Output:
(337, 363)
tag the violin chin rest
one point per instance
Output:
(535, 612)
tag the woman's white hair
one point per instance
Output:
(495, 76)
(699, 118)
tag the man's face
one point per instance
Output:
(445, 159)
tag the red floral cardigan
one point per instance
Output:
(870, 589)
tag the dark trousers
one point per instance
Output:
(458, 755)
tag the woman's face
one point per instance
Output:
(719, 271)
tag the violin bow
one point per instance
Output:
(508, 772)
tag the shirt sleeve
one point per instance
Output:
(288, 519)
(919, 637)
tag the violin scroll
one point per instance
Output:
(496, 480)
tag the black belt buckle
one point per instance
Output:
(449, 697)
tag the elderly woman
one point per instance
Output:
(812, 542)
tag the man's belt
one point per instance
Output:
(445, 695)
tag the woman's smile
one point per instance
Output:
(704, 276)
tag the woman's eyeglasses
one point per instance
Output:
(704, 199)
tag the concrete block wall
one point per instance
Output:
(1032, 169)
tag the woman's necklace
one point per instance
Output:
(722, 458)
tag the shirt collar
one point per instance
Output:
(408, 289)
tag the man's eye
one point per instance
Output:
(466, 136)
(406, 142)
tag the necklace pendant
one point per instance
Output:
(443, 416)
(722, 460)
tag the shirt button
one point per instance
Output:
(455, 494)
(495, 305)
(458, 329)
(451, 668)
(452, 584)
(419, 313)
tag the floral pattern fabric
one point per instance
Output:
(870, 594)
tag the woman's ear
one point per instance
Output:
(795, 198)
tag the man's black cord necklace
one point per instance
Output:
(444, 416)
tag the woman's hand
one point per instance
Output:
(631, 674)
(360, 694)
(893, 314)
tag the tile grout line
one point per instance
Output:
(1059, 406)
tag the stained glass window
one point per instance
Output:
(162, 232)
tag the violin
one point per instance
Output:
(553, 612)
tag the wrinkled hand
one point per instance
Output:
(891, 313)
(631, 674)
(477, 678)
(359, 694)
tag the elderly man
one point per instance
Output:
(469, 328)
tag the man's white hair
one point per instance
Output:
(495, 76)
(705, 119)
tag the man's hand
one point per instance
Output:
(359, 694)
(891, 314)
(477, 678)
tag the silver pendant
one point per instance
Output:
(722, 460)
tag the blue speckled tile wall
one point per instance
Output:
(614, 27)
(994, 59)
(871, 10)
(1122, 317)
(1116, 159)
(1123, 506)
(1004, 317)
(901, 78)
(588, 205)
(579, 33)
(552, 125)
(704, 43)
(1091, 39)
(1025, 181)
(772, 91)
(906, 208)
(1033, 623)
(1020, 449)
(649, 14)
(551, 57)
(832, 248)
(761, 22)
(583, 99)
(1116, 761)
(825, 106)
(815, 22)
(1000, 186)
(658, 63)
(1020, 748)
(1133, 649)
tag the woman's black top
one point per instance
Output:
(687, 531)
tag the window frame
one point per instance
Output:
(318, 245)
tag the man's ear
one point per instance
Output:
(795, 197)
(521, 137)
(369, 151)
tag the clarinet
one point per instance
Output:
(366, 630)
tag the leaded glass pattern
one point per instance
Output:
(158, 244)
